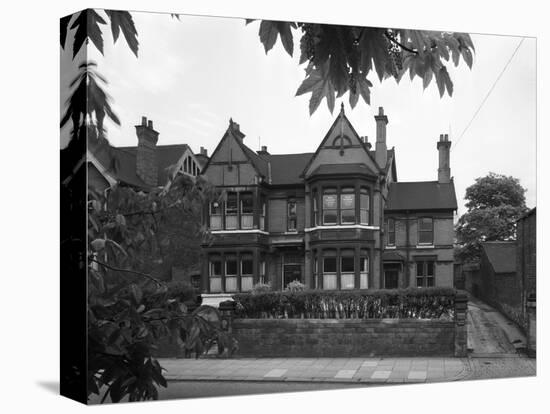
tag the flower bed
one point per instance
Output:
(427, 303)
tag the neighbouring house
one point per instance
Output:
(144, 166)
(527, 253)
(498, 283)
(336, 218)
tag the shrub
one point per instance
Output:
(429, 303)
(295, 286)
(260, 288)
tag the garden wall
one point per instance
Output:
(364, 337)
(350, 337)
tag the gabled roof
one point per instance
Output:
(287, 168)
(259, 164)
(120, 162)
(340, 118)
(421, 195)
(501, 255)
(167, 155)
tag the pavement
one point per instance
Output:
(333, 370)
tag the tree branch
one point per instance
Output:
(117, 269)
(393, 40)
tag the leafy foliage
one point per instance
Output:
(340, 58)
(494, 203)
(86, 25)
(318, 304)
(88, 104)
(129, 309)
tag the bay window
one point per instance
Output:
(347, 269)
(329, 272)
(247, 271)
(216, 219)
(363, 270)
(330, 206)
(215, 274)
(231, 274)
(364, 206)
(247, 210)
(347, 206)
(231, 211)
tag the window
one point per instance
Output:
(330, 207)
(231, 274)
(425, 231)
(363, 270)
(425, 273)
(262, 272)
(215, 273)
(315, 209)
(216, 216)
(347, 270)
(262, 216)
(247, 270)
(231, 211)
(364, 206)
(347, 206)
(247, 211)
(390, 232)
(291, 215)
(329, 273)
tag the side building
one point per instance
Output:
(336, 218)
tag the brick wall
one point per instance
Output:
(336, 338)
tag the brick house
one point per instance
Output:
(336, 218)
(143, 166)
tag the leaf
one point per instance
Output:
(122, 20)
(118, 246)
(362, 88)
(63, 28)
(120, 220)
(270, 30)
(248, 21)
(320, 86)
(87, 28)
(372, 46)
(136, 293)
(97, 245)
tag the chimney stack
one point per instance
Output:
(146, 157)
(444, 170)
(204, 151)
(263, 151)
(381, 151)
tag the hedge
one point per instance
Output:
(425, 303)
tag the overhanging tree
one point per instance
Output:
(494, 204)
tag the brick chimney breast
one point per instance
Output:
(444, 170)
(381, 149)
(146, 157)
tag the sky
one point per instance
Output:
(195, 73)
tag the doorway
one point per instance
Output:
(291, 272)
(391, 275)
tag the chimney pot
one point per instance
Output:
(264, 148)
(150, 124)
(144, 120)
(204, 152)
(380, 110)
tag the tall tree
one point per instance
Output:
(494, 204)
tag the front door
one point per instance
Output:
(391, 276)
(291, 272)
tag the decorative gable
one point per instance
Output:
(232, 163)
(341, 146)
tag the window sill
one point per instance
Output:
(425, 246)
(391, 247)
